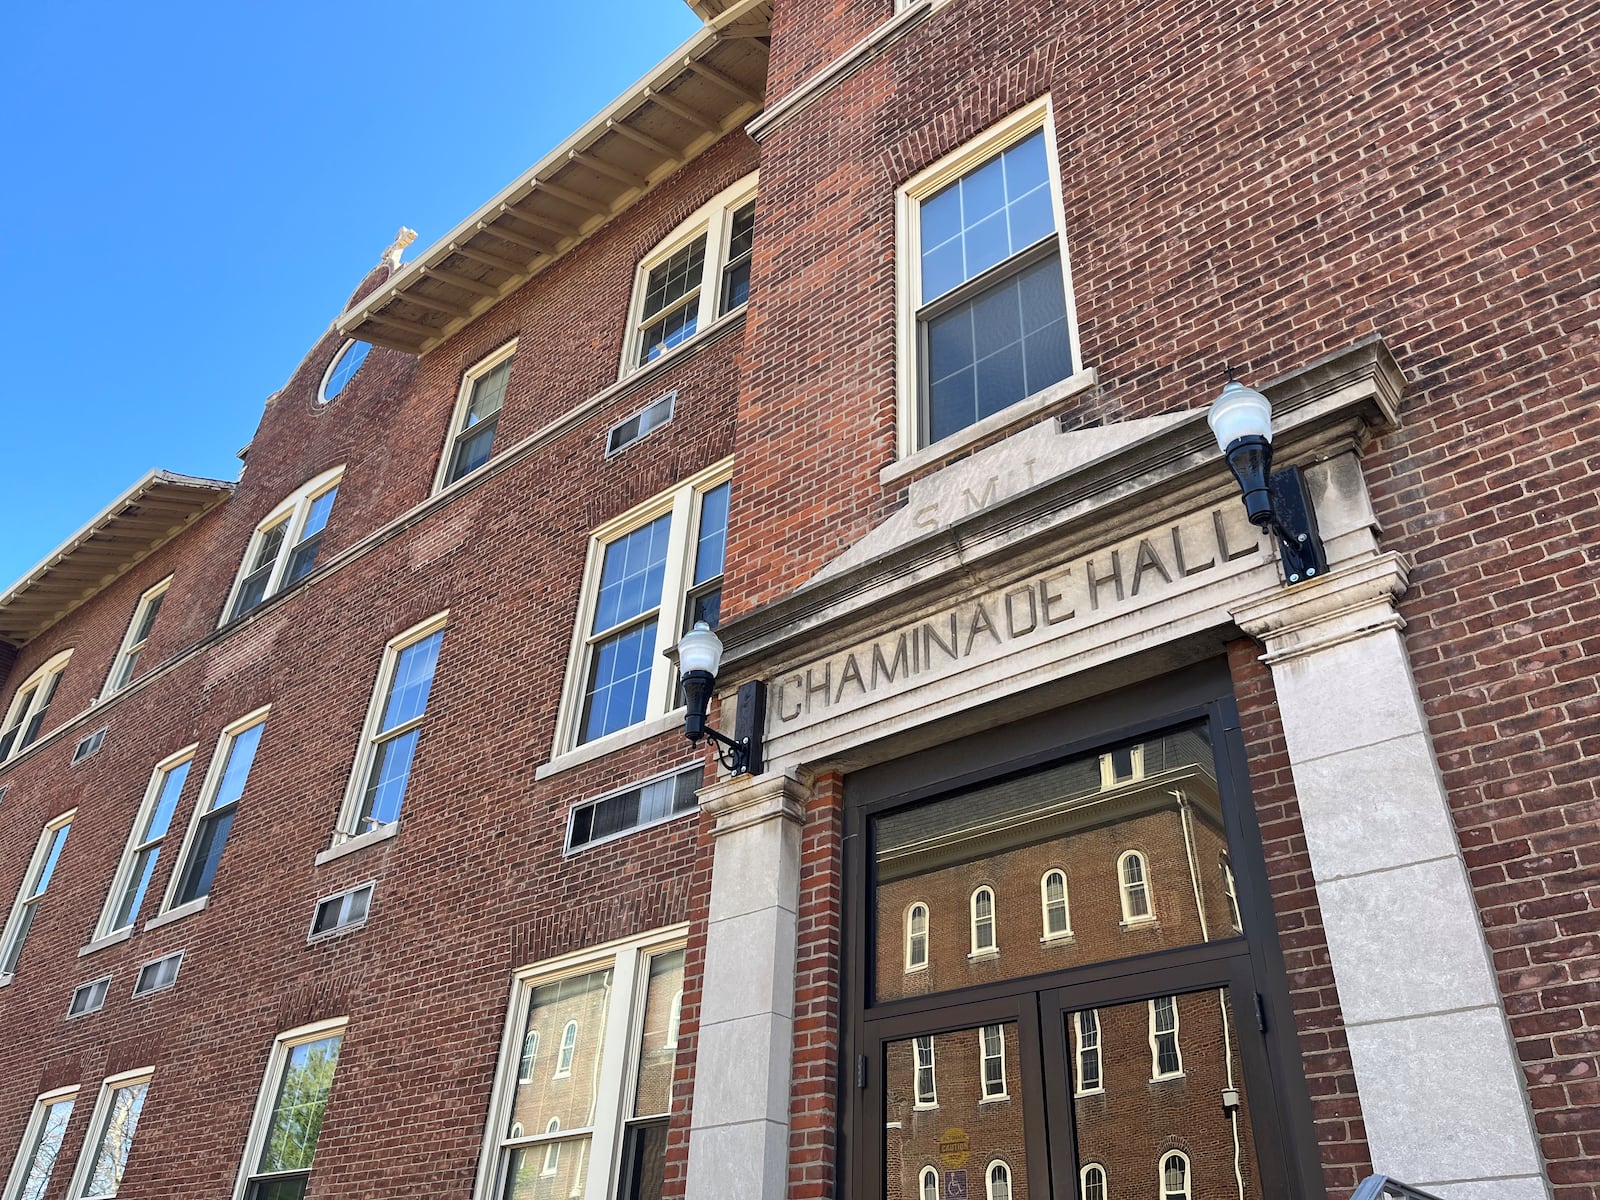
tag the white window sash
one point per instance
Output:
(29, 893)
(29, 698)
(28, 1148)
(132, 644)
(136, 843)
(202, 805)
(267, 1095)
(296, 507)
(98, 1122)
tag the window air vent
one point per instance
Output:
(91, 997)
(88, 746)
(646, 420)
(622, 812)
(347, 910)
(158, 975)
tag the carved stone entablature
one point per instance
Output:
(1050, 553)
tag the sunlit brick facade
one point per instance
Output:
(1089, 856)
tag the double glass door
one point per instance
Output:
(1061, 997)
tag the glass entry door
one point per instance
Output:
(1059, 998)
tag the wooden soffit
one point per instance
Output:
(131, 527)
(710, 86)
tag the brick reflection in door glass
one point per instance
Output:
(1168, 1080)
(1114, 853)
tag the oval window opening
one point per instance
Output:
(343, 368)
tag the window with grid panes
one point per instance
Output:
(283, 550)
(145, 612)
(30, 705)
(215, 809)
(653, 578)
(477, 416)
(701, 273)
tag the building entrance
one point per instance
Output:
(1064, 985)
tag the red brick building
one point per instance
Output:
(349, 836)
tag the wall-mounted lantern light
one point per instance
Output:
(1241, 419)
(699, 658)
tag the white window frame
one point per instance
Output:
(333, 365)
(567, 1051)
(993, 948)
(527, 1058)
(1081, 1051)
(345, 833)
(132, 645)
(552, 1150)
(170, 907)
(134, 845)
(344, 897)
(1065, 934)
(1108, 768)
(989, 1179)
(614, 1091)
(453, 431)
(22, 1164)
(96, 1131)
(296, 507)
(1083, 1181)
(267, 1095)
(683, 501)
(984, 1058)
(714, 219)
(1161, 1176)
(28, 892)
(1230, 892)
(20, 712)
(926, 1176)
(908, 269)
(1155, 1046)
(914, 938)
(1125, 889)
(918, 1044)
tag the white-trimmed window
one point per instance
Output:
(1056, 917)
(997, 1181)
(1092, 1182)
(1120, 766)
(41, 1145)
(1133, 885)
(983, 919)
(283, 548)
(126, 663)
(1175, 1176)
(1230, 892)
(214, 811)
(150, 825)
(651, 575)
(928, 1184)
(633, 808)
(89, 997)
(476, 416)
(392, 730)
(530, 1055)
(699, 273)
(46, 855)
(111, 1130)
(992, 1061)
(926, 1084)
(342, 912)
(986, 317)
(1086, 1033)
(290, 1110)
(612, 1101)
(917, 937)
(342, 370)
(1165, 1059)
(31, 702)
(569, 1049)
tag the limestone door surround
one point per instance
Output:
(1058, 564)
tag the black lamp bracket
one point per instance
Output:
(1294, 523)
(741, 753)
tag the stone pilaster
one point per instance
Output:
(739, 1148)
(1440, 1087)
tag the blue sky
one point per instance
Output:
(192, 191)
